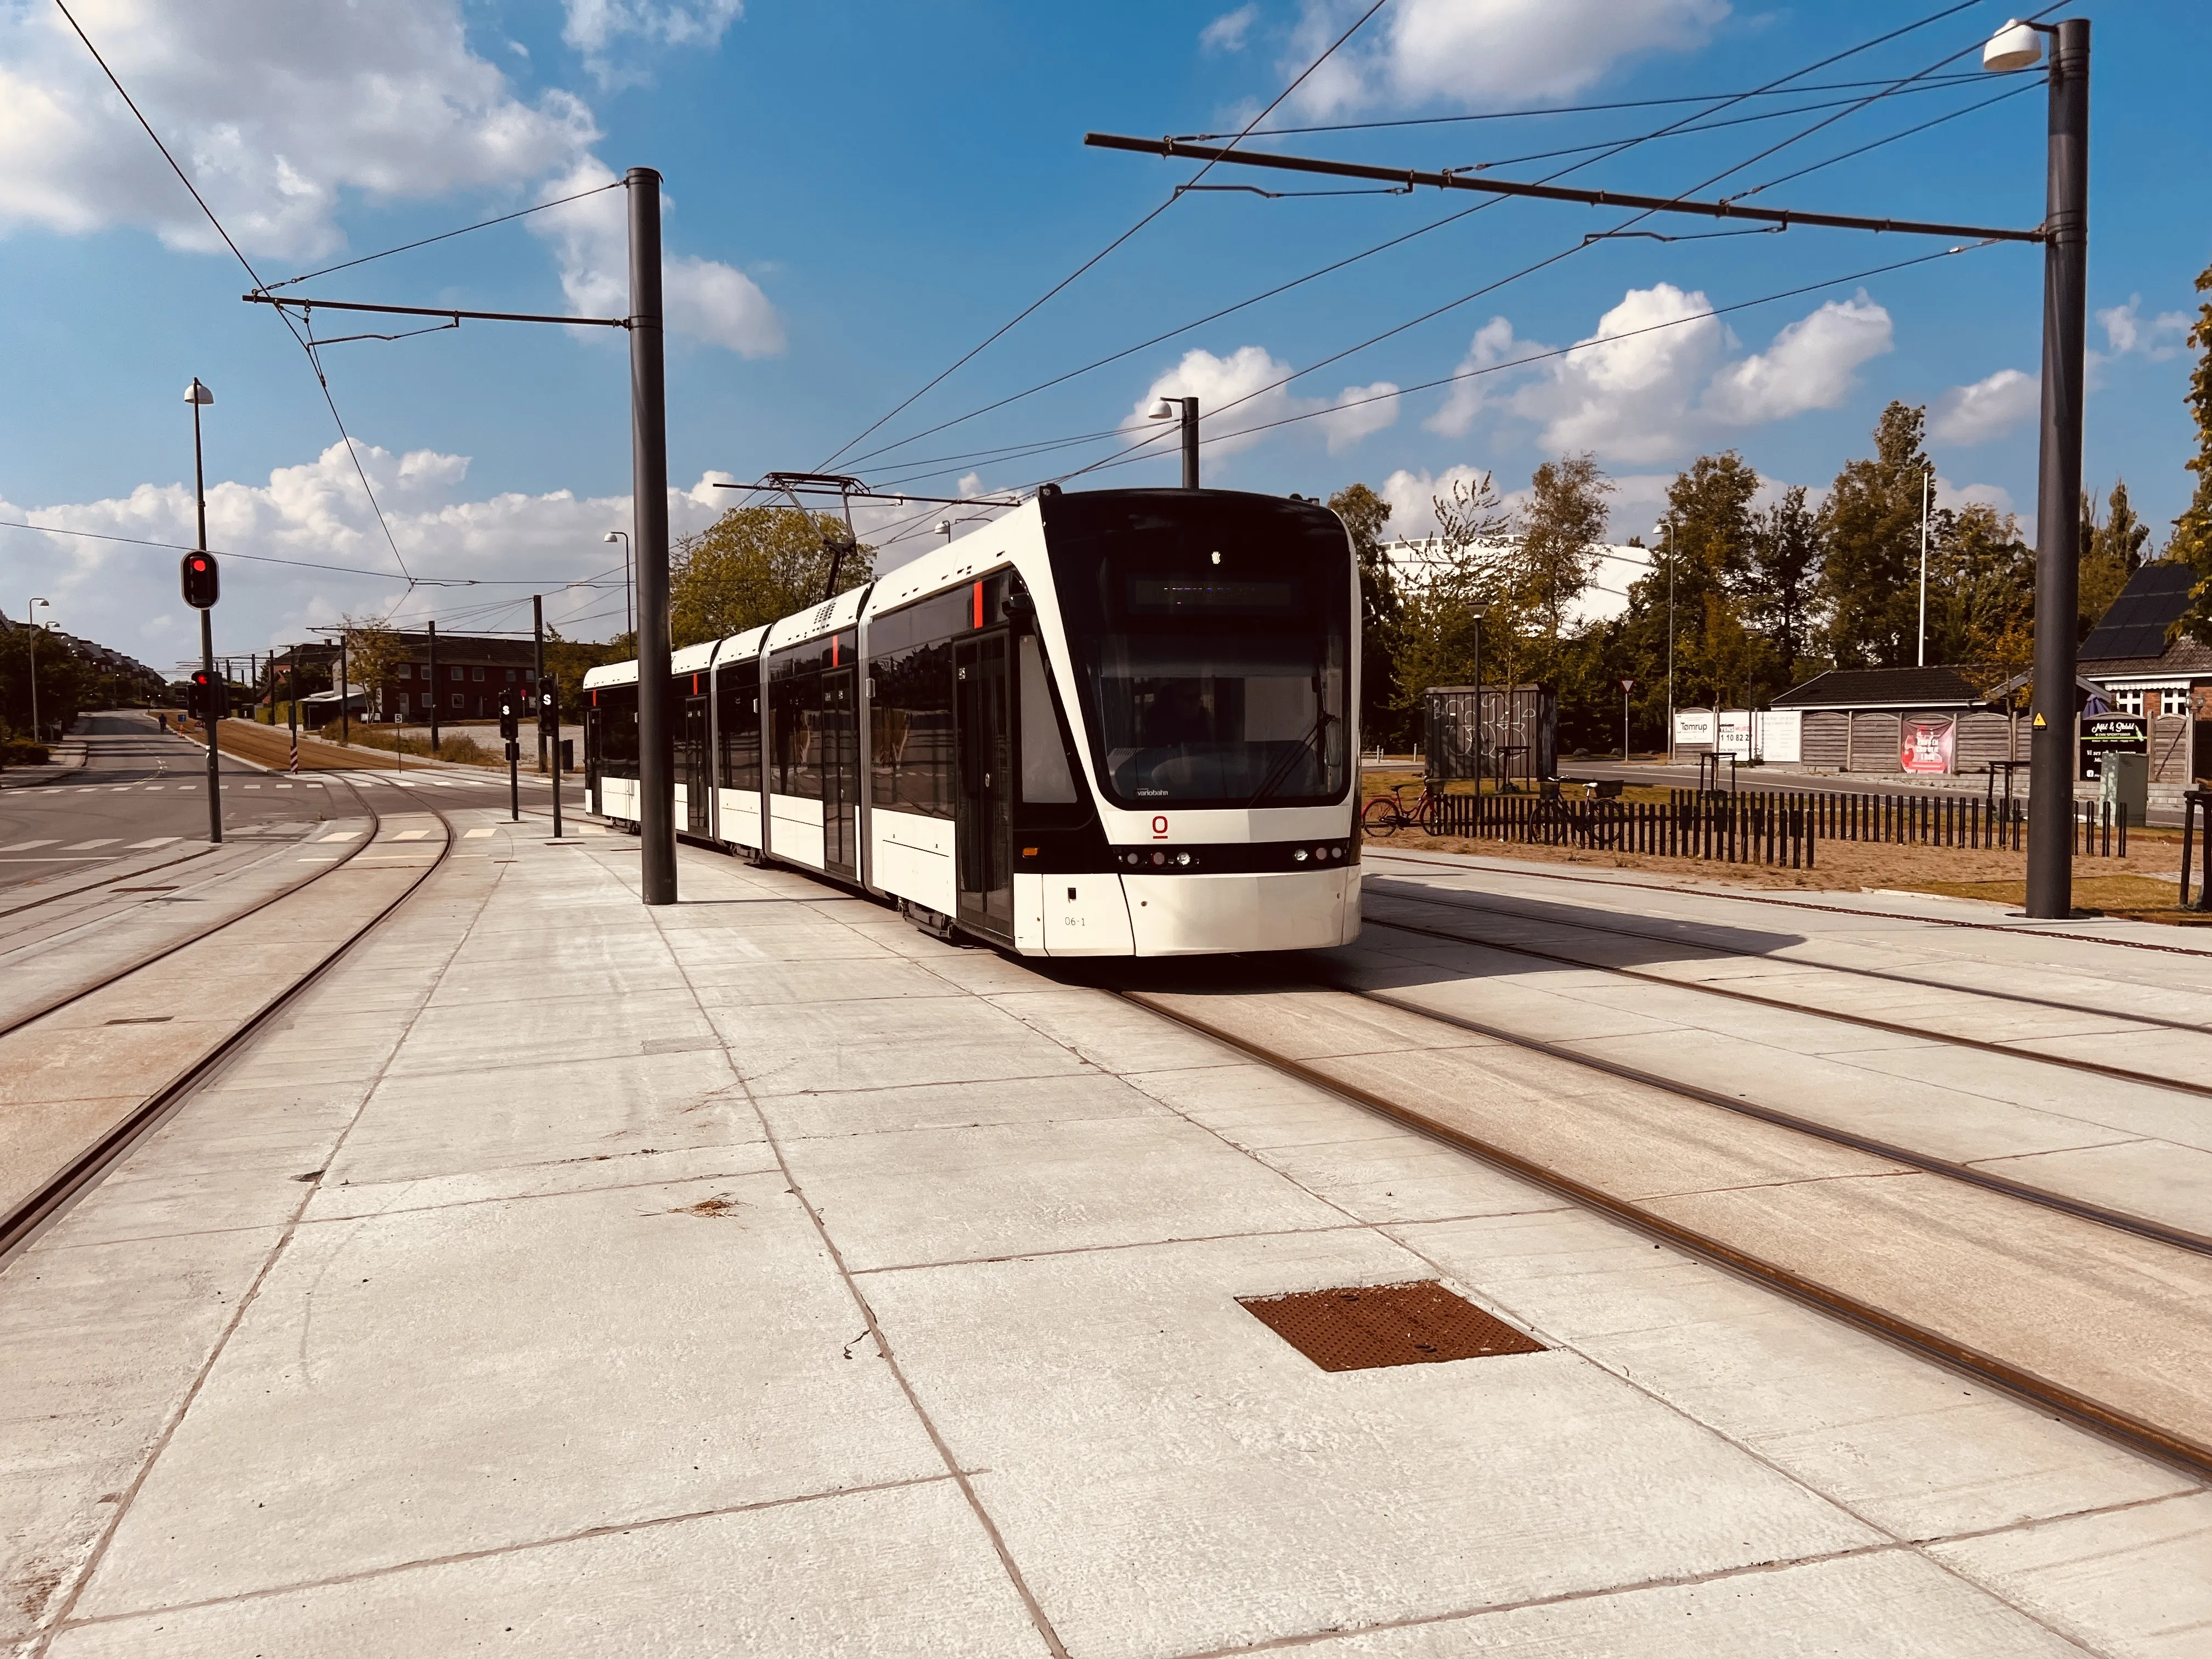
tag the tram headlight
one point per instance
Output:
(1159, 858)
(1299, 856)
(1183, 858)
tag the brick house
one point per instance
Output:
(471, 674)
(2169, 684)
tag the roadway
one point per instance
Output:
(140, 789)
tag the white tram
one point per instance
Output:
(1110, 723)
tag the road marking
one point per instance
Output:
(26, 846)
(412, 835)
(87, 846)
(283, 785)
(153, 788)
(472, 834)
(158, 841)
(82, 858)
(342, 834)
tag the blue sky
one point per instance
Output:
(858, 193)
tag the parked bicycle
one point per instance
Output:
(1386, 815)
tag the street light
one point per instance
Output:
(1927, 479)
(1665, 529)
(32, 623)
(1186, 410)
(2018, 45)
(630, 624)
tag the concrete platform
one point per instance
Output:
(757, 1275)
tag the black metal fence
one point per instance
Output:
(1749, 827)
(1767, 827)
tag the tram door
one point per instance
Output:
(983, 820)
(592, 757)
(840, 772)
(691, 770)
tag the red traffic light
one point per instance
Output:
(201, 581)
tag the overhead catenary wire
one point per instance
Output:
(321, 379)
(300, 564)
(1623, 146)
(1588, 241)
(445, 236)
(1045, 298)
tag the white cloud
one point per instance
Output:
(1474, 52)
(596, 28)
(1657, 377)
(279, 111)
(1494, 343)
(1810, 365)
(1226, 33)
(2126, 331)
(1987, 408)
(315, 512)
(1247, 378)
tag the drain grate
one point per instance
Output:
(1362, 1326)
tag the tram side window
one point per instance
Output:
(910, 722)
(1045, 777)
(618, 746)
(738, 722)
(796, 733)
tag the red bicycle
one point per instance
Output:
(1386, 815)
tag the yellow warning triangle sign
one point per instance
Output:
(2038, 722)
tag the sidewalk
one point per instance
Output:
(757, 1275)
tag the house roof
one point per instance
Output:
(1935, 687)
(2135, 627)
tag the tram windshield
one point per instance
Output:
(1212, 636)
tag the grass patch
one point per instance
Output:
(462, 749)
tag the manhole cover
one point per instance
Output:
(1362, 1327)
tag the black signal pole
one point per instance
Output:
(433, 671)
(537, 663)
(196, 394)
(649, 489)
(2058, 484)
(1189, 443)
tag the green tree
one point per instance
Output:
(1870, 576)
(1780, 586)
(1981, 593)
(1555, 551)
(1381, 610)
(1710, 544)
(2192, 541)
(756, 564)
(2111, 553)
(1441, 611)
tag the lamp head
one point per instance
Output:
(1165, 409)
(2014, 46)
(613, 536)
(196, 393)
(945, 528)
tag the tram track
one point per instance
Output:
(1784, 1005)
(1831, 1288)
(26, 1214)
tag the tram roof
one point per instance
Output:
(827, 617)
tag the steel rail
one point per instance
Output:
(2150, 1021)
(1409, 177)
(89, 1166)
(2135, 1433)
(1511, 869)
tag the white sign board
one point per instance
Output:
(1693, 726)
(1780, 736)
(1732, 732)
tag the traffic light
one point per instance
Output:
(509, 715)
(201, 582)
(549, 707)
(206, 697)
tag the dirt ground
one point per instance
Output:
(2120, 887)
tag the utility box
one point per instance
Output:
(2124, 780)
(1518, 727)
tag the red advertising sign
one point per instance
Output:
(1929, 744)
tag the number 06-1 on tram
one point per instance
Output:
(1110, 723)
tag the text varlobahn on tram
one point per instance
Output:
(1110, 723)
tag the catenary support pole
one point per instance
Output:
(649, 489)
(207, 646)
(1927, 477)
(433, 694)
(2058, 489)
(537, 663)
(292, 689)
(345, 696)
(1189, 443)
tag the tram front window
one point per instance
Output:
(1214, 663)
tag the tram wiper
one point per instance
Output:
(1282, 768)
